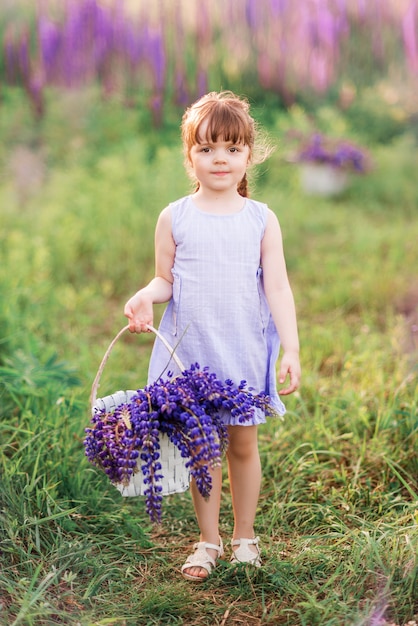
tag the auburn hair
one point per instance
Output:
(228, 119)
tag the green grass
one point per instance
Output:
(338, 513)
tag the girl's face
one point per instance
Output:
(218, 165)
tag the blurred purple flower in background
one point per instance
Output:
(177, 50)
(409, 32)
(341, 154)
(50, 42)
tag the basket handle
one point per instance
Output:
(95, 386)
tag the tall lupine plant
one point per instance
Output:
(174, 47)
(297, 44)
(20, 67)
(410, 37)
(90, 43)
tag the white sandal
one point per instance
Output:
(243, 554)
(200, 558)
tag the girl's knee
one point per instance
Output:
(243, 442)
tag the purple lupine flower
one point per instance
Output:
(158, 59)
(132, 44)
(339, 154)
(50, 41)
(326, 28)
(181, 90)
(362, 9)
(11, 62)
(79, 35)
(102, 36)
(410, 37)
(186, 409)
(292, 45)
(73, 47)
(23, 56)
(251, 11)
(119, 24)
(278, 7)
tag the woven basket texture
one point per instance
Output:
(176, 476)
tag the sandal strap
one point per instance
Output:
(248, 542)
(243, 554)
(209, 546)
(201, 558)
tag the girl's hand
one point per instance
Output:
(139, 311)
(139, 308)
(290, 365)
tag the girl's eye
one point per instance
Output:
(205, 149)
(233, 149)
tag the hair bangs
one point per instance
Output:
(225, 124)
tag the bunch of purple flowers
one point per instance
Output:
(186, 408)
(342, 155)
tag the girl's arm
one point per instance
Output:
(139, 308)
(280, 299)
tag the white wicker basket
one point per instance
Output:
(176, 476)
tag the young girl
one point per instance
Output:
(220, 266)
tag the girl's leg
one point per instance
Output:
(207, 514)
(244, 469)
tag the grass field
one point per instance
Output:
(338, 513)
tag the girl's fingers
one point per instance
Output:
(288, 390)
(294, 382)
(136, 325)
(142, 327)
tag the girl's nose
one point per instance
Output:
(219, 157)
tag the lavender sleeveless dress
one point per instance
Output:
(218, 313)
